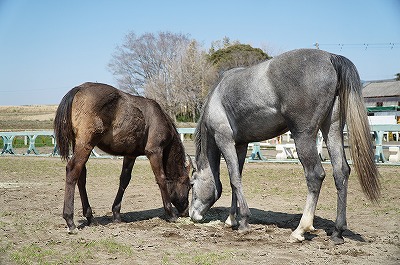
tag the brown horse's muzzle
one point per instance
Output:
(185, 212)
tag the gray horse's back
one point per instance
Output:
(289, 91)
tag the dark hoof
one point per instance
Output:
(90, 220)
(171, 219)
(337, 238)
(117, 218)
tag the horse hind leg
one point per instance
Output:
(74, 171)
(87, 210)
(315, 174)
(333, 135)
(125, 178)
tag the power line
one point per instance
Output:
(366, 46)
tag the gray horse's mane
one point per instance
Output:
(201, 130)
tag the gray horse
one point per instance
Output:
(302, 91)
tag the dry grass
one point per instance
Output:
(34, 117)
(33, 231)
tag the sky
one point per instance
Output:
(48, 47)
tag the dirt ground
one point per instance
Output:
(32, 230)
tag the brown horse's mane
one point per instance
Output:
(174, 154)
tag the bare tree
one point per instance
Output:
(167, 67)
(193, 76)
(185, 83)
(143, 58)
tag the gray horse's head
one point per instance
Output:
(206, 190)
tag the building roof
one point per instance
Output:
(386, 88)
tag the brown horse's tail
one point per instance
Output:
(63, 130)
(354, 111)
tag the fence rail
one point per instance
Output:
(379, 131)
(30, 140)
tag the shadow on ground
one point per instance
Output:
(258, 217)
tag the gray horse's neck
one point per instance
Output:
(207, 152)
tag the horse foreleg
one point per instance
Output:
(231, 220)
(241, 152)
(156, 162)
(125, 178)
(87, 210)
(315, 174)
(233, 162)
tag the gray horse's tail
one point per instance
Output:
(353, 110)
(63, 130)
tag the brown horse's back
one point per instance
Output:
(118, 122)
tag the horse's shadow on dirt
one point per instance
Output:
(259, 217)
(282, 220)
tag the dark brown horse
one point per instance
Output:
(120, 124)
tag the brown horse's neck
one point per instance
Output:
(174, 156)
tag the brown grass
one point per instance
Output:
(34, 117)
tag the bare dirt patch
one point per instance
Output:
(32, 230)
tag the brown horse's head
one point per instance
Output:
(179, 188)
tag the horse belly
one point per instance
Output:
(259, 126)
(121, 145)
(126, 137)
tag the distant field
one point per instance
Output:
(34, 117)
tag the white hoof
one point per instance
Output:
(296, 237)
(231, 221)
(72, 231)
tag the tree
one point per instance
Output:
(189, 78)
(398, 77)
(236, 55)
(144, 58)
(169, 68)
(194, 75)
